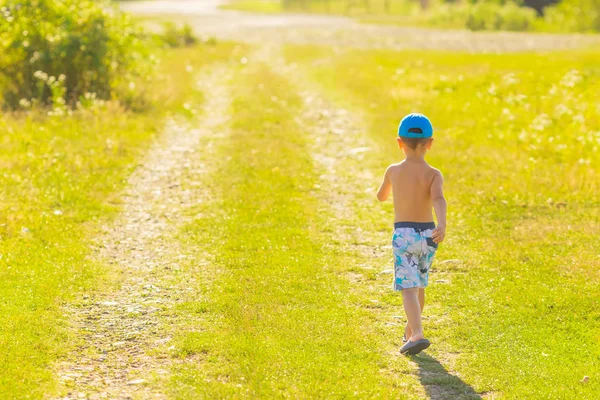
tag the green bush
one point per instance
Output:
(449, 16)
(175, 36)
(516, 18)
(489, 16)
(574, 15)
(494, 16)
(57, 51)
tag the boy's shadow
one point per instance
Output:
(441, 384)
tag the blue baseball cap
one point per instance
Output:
(415, 125)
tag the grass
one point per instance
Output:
(62, 180)
(277, 318)
(291, 306)
(517, 142)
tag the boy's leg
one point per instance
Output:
(407, 330)
(412, 308)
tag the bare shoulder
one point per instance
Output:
(392, 168)
(435, 173)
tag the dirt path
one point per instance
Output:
(335, 31)
(123, 328)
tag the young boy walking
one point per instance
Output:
(416, 188)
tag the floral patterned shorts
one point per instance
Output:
(413, 254)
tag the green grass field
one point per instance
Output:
(290, 258)
(517, 140)
(512, 313)
(62, 179)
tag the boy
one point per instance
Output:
(416, 188)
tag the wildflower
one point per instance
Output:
(34, 57)
(562, 109)
(24, 103)
(571, 78)
(541, 122)
(506, 112)
(41, 75)
(510, 79)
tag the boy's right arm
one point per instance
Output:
(439, 206)
(386, 186)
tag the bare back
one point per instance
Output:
(411, 190)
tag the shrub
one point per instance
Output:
(51, 49)
(494, 16)
(574, 15)
(449, 16)
(488, 16)
(174, 36)
(516, 18)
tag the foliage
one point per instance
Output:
(80, 46)
(485, 16)
(574, 15)
(177, 36)
(493, 16)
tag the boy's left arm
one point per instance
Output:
(386, 187)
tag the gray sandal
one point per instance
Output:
(412, 348)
